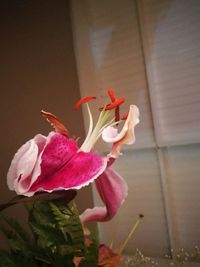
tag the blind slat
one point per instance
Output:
(172, 52)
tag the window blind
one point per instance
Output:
(170, 35)
(149, 52)
(171, 39)
(109, 52)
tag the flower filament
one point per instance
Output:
(104, 119)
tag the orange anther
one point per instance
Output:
(84, 100)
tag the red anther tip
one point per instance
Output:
(115, 104)
(111, 94)
(83, 100)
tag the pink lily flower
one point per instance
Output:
(111, 186)
(55, 162)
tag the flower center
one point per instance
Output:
(95, 132)
(104, 119)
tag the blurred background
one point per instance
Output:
(38, 71)
(53, 52)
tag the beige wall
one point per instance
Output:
(38, 71)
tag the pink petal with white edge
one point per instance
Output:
(113, 190)
(125, 136)
(79, 170)
(53, 152)
(24, 161)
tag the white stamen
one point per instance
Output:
(90, 126)
(93, 136)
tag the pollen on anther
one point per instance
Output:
(115, 104)
(111, 94)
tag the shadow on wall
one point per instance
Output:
(38, 71)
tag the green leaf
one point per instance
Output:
(6, 259)
(58, 238)
(15, 225)
(17, 245)
(60, 217)
(7, 232)
(91, 256)
(41, 196)
(40, 213)
(50, 235)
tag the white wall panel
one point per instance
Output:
(183, 183)
(141, 171)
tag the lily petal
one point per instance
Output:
(65, 167)
(24, 161)
(53, 163)
(52, 152)
(113, 190)
(125, 136)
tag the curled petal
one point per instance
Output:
(125, 136)
(24, 162)
(113, 190)
(109, 134)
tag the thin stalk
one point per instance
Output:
(135, 226)
(90, 126)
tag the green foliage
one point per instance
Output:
(57, 237)
(91, 256)
(17, 228)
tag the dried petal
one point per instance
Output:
(55, 122)
(77, 260)
(108, 258)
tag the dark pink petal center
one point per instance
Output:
(58, 152)
(64, 167)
